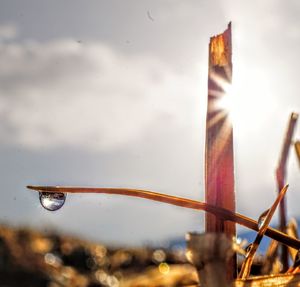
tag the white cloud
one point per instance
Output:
(64, 93)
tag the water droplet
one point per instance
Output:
(248, 248)
(261, 219)
(52, 201)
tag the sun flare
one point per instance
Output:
(244, 102)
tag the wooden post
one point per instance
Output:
(219, 168)
(209, 253)
(280, 177)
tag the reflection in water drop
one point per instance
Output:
(52, 201)
(261, 219)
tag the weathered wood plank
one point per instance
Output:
(209, 253)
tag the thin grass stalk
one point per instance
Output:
(246, 266)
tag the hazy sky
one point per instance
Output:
(113, 93)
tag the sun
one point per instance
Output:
(244, 102)
(226, 102)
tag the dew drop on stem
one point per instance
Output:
(262, 218)
(248, 248)
(52, 201)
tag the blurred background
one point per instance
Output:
(113, 94)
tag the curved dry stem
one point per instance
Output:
(178, 201)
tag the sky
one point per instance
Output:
(113, 94)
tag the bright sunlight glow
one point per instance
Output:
(246, 101)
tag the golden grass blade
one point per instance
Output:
(178, 201)
(292, 230)
(297, 148)
(267, 216)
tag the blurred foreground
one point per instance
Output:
(32, 258)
